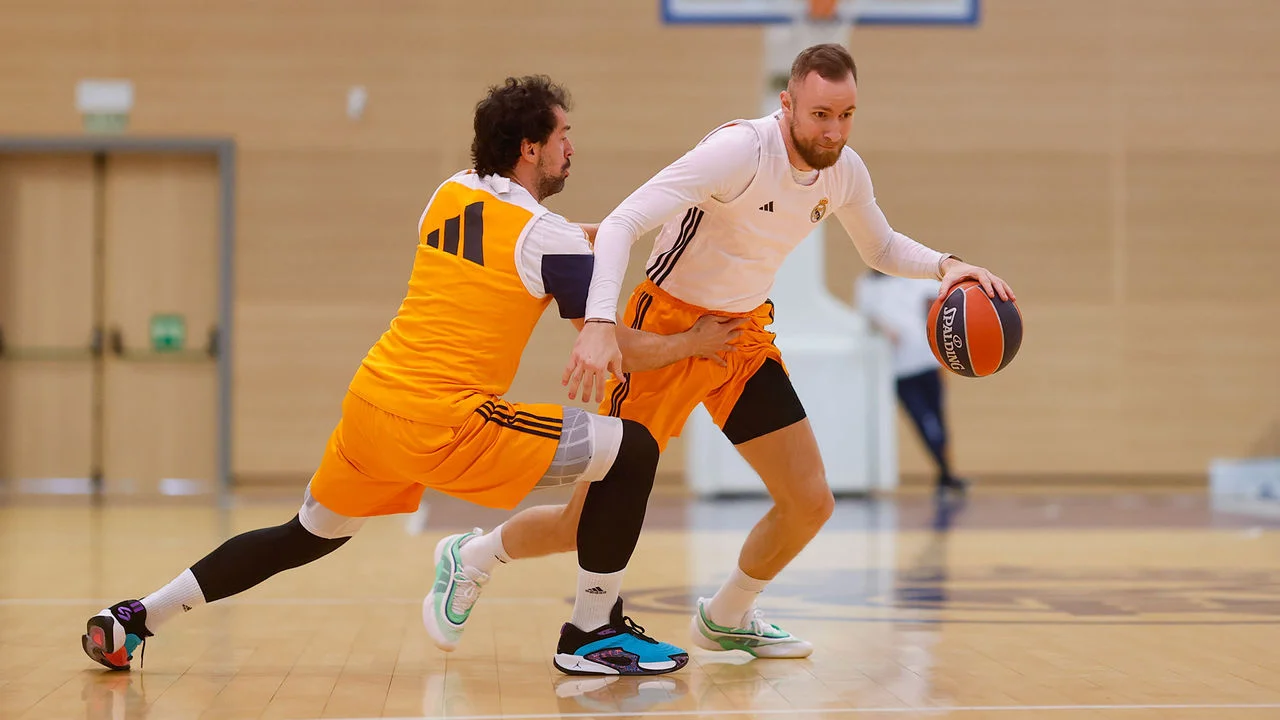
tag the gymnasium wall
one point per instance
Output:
(1112, 159)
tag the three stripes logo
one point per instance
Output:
(620, 392)
(469, 227)
(661, 267)
(767, 207)
(520, 420)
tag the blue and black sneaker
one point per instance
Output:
(112, 635)
(618, 648)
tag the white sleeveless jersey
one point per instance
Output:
(724, 255)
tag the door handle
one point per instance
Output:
(186, 355)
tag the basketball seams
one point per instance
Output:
(968, 338)
(991, 361)
(1004, 346)
(964, 320)
(1011, 349)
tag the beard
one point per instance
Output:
(551, 183)
(814, 156)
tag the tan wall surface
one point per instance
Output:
(1114, 159)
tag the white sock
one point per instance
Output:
(736, 597)
(179, 596)
(597, 594)
(485, 551)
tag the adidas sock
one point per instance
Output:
(735, 598)
(597, 593)
(485, 551)
(179, 596)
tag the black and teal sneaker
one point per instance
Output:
(112, 635)
(618, 648)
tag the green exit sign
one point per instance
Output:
(168, 332)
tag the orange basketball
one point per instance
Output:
(971, 334)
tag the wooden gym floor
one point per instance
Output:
(1011, 606)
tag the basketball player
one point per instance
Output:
(425, 408)
(731, 209)
(898, 309)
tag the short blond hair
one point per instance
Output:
(830, 60)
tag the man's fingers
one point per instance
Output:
(574, 381)
(984, 280)
(593, 384)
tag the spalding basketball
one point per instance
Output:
(971, 334)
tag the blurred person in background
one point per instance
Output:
(898, 309)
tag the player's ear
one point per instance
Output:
(785, 98)
(528, 151)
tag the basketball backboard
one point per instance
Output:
(861, 12)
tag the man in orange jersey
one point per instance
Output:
(426, 409)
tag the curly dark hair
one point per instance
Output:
(520, 109)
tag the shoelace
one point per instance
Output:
(142, 634)
(142, 642)
(467, 584)
(635, 629)
(758, 624)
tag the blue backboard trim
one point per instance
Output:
(671, 17)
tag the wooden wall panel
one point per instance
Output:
(161, 247)
(1198, 75)
(46, 310)
(1112, 158)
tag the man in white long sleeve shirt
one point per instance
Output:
(731, 209)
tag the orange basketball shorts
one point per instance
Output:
(662, 399)
(377, 463)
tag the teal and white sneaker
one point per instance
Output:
(758, 637)
(456, 590)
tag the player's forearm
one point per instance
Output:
(612, 251)
(649, 351)
(900, 255)
(883, 248)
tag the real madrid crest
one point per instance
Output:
(819, 211)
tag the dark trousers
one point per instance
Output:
(921, 395)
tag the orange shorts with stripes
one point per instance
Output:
(662, 399)
(377, 463)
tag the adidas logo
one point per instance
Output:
(597, 590)
(186, 607)
(767, 207)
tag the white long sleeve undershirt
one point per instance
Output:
(721, 168)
